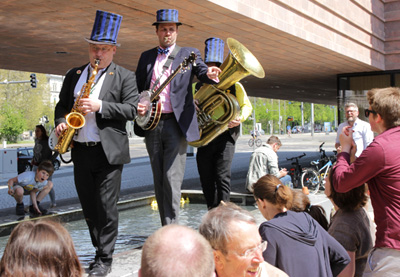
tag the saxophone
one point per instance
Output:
(76, 118)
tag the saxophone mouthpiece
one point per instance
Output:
(96, 65)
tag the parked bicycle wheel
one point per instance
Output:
(251, 142)
(310, 179)
(258, 142)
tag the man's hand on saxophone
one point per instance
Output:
(60, 127)
(88, 105)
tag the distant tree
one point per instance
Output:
(267, 110)
(12, 123)
(31, 102)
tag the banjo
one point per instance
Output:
(151, 98)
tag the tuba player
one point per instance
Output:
(214, 159)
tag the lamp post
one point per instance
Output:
(254, 123)
(312, 119)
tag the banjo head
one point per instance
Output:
(53, 139)
(143, 121)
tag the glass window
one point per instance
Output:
(353, 88)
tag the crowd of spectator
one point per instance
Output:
(231, 243)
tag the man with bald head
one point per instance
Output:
(177, 251)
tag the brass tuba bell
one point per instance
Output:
(216, 107)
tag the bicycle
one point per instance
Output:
(312, 178)
(296, 171)
(256, 140)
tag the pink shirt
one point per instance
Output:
(379, 166)
(158, 68)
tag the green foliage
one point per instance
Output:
(267, 110)
(12, 123)
(31, 103)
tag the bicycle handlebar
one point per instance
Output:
(298, 157)
(322, 151)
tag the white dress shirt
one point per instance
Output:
(362, 134)
(89, 132)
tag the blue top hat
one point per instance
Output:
(105, 28)
(167, 16)
(214, 51)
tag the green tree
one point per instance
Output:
(267, 110)
(32, 103)
(12, 123)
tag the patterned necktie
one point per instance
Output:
(162, 51)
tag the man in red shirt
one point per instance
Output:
(379, 167)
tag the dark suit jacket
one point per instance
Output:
(119, 97)
(181, 88)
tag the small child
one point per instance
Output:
(31, 182)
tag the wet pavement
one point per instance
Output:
(137, 187)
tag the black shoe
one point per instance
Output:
(100, 269)
(20, 209)
(92, 263)
(42, 210)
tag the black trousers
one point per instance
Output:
(98, 185)
(167, 146)
(214, 165)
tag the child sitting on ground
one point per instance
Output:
(31, 182)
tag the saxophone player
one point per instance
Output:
(101, 146)
(214, 159)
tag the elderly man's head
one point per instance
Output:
(233, 234)
(176, 251)
(351, 112)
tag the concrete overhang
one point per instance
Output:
(47, 36)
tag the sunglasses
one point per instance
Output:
(368, 112)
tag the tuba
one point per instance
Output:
(216, 107)
(76, 118)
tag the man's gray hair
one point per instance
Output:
(348, 105)
(215, 224)
(177, 251)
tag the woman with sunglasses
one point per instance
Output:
(297, 244)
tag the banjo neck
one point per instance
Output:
(156, 93)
